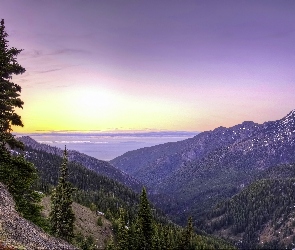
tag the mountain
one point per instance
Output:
(110, 197)
(91, 187)
(18, 233)
(193, 175)
(261, 215)
(101, 167)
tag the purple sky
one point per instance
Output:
(174, 65)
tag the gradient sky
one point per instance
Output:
(156, 65)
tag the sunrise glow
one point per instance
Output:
(160, 66)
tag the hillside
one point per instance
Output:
(18, 233)
(193, 175)
(86, 224)
(106, 194)
(262, 215)
(101, 167)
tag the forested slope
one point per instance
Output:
(101, 193)
(91, 187)
(261, 215)
(101, 167)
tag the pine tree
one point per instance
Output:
(186, 240)
(157, 243)
(61, 215)
(145, 221)
(9, 91)
(134, 237)
(122, 235)
(19, 175)
(15, 172)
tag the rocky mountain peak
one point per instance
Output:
(248, 123)
(221, 128)
(288, 120)
(290, 116)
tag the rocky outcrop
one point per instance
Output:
(19, 233)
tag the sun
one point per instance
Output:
(88, 107)
(91, 101)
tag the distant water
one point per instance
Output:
(107, 146)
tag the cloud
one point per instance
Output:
(35, 53)
(32, 54)
(68, 51)
(49, 70)
(62, 67)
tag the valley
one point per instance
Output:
(226, 179)
(110, 125)
(95, 189)
(191, 177)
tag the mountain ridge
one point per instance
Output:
(199, 172)
(99, 166)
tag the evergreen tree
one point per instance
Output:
(15, 172)
(111, 245)
(61, 215)
(19, 175)
(187, 237)
(9, 91)
(157, 243)
(134, 240)
(122, 234)
(145, 221)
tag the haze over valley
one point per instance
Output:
(107, 146)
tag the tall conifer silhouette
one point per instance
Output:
(145, 221)
(15, 171)
(61, 215)
(9, 91)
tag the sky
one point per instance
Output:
(152, 65)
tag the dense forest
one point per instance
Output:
(105, 193)
(262, 215)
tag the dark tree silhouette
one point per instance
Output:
(15, 172)
(61, 215)
(9, 91)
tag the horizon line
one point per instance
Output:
(110, 132)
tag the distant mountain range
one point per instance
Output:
(193, 175)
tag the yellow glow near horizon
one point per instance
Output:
(98, 109)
